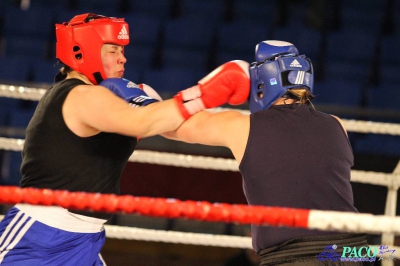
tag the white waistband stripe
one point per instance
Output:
(61, 218)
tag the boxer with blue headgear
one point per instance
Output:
(278, 68)
(289, 154)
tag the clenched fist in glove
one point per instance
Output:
(229, 83)
(136, 95)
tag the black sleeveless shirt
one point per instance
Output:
(54, 157)
(299, 158)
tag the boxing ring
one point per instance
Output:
(388, 225)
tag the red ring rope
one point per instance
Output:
(157, 207)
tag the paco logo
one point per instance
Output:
(362, 252)
(354, 254)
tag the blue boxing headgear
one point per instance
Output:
(278, 68)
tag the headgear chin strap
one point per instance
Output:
(278, 67)
(79, 42)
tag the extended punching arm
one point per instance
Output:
(229, 83)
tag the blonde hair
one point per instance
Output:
(301, 94)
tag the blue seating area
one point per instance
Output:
(17, 118)
(25, 23)
(384, 145)
(159, 9)
(188, 32)
(385, 96)
(176, 42)
(148, 32)
(14, 68)
(256, 10)
(195, 60)
(308, 40)
(351, 46)
(209, 10)
(201, 34)
(338, 92)
(235, 36)
(31, 49)
(170, 80)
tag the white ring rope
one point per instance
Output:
(350, 125)
(133, 233)
(353, 222)
(212, 163)
(9, 144)
(175, 237)
(181, 160)
(34, 94)
(21, 92)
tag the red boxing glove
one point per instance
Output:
(229, 83)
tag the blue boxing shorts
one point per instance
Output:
(50, 235)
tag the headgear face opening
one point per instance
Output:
(278, 67)
(79, 42)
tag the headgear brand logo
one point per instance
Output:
(295, 63)
(123, 34)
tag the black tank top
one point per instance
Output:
(299, 158)
(54, 157)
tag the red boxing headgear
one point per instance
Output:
(79, 42)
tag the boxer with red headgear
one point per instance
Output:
(79, 42)
(289, 154)
(83, 133)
